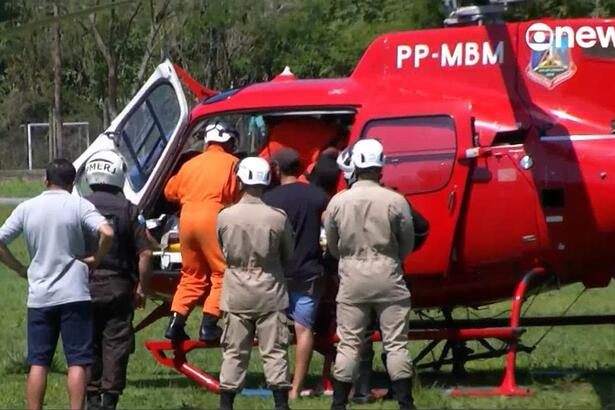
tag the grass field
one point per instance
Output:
(20, 187)
(573, 367)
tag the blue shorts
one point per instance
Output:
(73, 321)
(302, 308)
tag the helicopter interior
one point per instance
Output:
(261, 133)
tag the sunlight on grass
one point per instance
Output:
(573, 367)
(21, 188)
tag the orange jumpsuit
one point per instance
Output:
(306, 135)
(203, 186)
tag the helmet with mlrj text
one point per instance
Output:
(368, 153)
(221, 132)
(106, 168)
(254, 171)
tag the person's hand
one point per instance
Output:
(91, 261)
(139, 298)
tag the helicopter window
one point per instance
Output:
(420, 151)
(144, 136)
(252, 133)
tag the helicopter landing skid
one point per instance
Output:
(173, 355)
(509, 386)
(179, 362)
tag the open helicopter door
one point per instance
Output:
(425, 149)
(145, 133)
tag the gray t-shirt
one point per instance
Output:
(56, 225)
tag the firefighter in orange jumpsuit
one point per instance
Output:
(203, 186)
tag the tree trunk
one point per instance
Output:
(112, 87)
(111, 60)
(56, 57)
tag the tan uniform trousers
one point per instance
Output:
(352, 326)
(272, 332)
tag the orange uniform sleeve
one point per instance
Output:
(234, 185)
(171, 190)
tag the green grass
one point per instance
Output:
(21, 187)
(573, 367)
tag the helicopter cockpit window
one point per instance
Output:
(144, 136)
(420, 151)
(252, 133)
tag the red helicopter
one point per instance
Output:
(499, 135)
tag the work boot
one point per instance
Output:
(175, 330)
(226, 399)
(403, 394)
(93, 401)
(341, 390)
(362, 386)
(109, 401)
(209, 331)
(280, 399)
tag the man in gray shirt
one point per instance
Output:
(55, 225)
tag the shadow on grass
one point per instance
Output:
(254, 380)
(602, 380)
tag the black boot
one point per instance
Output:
(93, 400)
(109, 401)
(403, 394)
(362, 386)
(226, 399)
(209, 332)
(341, 390)
(280, 398)
(175, 330)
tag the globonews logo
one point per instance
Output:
(541, 37)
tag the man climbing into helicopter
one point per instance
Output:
(114, 287)
(369, 229)
(203, 186)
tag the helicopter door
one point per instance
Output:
(422, 164)
(145, 133)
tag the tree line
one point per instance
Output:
(71, 60)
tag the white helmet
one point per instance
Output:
(106, 168)
(220, 131)
(254, 171)
(345, 164)
(368, 153)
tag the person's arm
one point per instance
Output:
(145, 274)
(234, 185)
(171, 190)
(403, 227)
(287, 244)
(331, 231)
(144, 253)
(12, 227)
(92, 221)
(7, 258)
(105, 240)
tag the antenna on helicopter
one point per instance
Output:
(476, 12)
